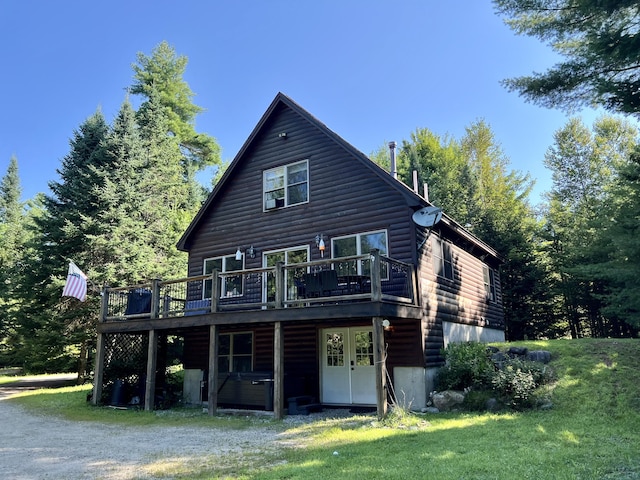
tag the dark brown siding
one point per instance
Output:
(344, 198)
(463, 299)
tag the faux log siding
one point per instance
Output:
(196, 348)
(462, 300)
(300, 354)
(344, 198)
(404, 348)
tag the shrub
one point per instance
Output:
(516, 382)
(467, 365)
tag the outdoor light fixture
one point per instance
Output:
(238, 254)
(320, 244)
(251, 252)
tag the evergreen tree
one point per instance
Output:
(10, 191)
(12, 240)
(599, 42)
(49, 327)
(162, 73)
(623, 235)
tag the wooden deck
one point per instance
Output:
(355, 287)
(329, 289)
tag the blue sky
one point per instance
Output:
(371, 70)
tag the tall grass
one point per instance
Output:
(592, 432)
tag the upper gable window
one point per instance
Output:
(286, 186)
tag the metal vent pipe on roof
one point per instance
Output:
(392, 154)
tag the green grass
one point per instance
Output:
(592, 431)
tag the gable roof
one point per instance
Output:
(413, 199)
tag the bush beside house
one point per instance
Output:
(477, 377)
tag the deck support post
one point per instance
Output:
(98, 372)
(150, 384)
(380, 361)
(278, 371)
(376, 278)
(280, 286)
(212, 379)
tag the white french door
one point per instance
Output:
(288, 256)
(348, 373)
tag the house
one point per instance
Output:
(312, 281)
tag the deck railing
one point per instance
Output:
(370, 277)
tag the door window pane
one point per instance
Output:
(335, 349)
(364, 349)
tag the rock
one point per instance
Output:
(499, 357)
(430, 410)
(517, 351)
(492, 349)
(446, 400)
(541, 356)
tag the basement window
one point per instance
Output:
(235, 352)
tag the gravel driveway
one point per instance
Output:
(38, 447)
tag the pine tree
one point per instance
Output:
(12, 239)
(162, 73)
(49, 326)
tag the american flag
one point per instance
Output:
(76, 285)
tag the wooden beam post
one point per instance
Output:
(155, 298)
(379, 359)
(280, 286)
(215, 289)
(376, 278)
(212, 379)
(150, 385)
(278, 371)
(98, 371)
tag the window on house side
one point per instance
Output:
(230, 286)
(286, 186)
(442, 258)
(489, 283)
(235, 352)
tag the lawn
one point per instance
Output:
(591, 432)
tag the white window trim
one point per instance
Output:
(223, 279)
(358, 246)
(280, 250)
(285, 185)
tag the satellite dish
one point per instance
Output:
(427, 217)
